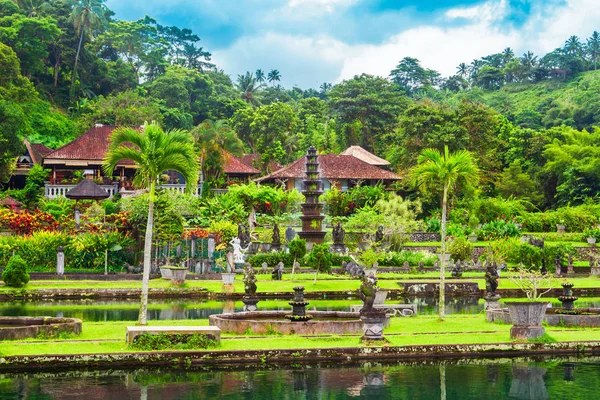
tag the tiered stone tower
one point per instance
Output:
(312, 189)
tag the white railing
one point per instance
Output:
(55, 191)
(180, 187)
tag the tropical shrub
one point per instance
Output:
(575, 219)
(498, 229)
(319, 258)
(15, 274)
(460, 249)
(493, 208)
(224, 231)
(433, 224)
(297, 248)
(397, 259)
(59, 208)
(26, 222)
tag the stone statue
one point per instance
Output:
(243, 235)
(379, 234)
(491, 280)
(338, 234)
(457, 270)
(249, 281)
(367, 291)
(277, 272)
(238, 250)
(276, 238)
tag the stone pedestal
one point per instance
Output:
(373, 324)
(338, 248)
(60, 261)
(178, 276)
(527, 319)
(250, 303)
(595, 271)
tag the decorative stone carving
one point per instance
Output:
(425, 237)
(491, 281)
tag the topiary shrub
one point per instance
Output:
(15, 274)
(460, 249)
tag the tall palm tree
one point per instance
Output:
(154, 151)
(462, 70)
(250, 89)
(86, 16)
(260, 75)
(508, 55)
(273, 76)
(573, 45)
(214, 140)
(593, 48)
(445, 170)
(474, 68)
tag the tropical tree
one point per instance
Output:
(154, 151)
(260, 75)
(212, 137)
(573, 46)
(273, 76)
(33, 7)
(86, 15)
(445, 170)
(593, 48)
(508, 55)
(462, 70)
(251, 90)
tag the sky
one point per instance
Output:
(316, 41)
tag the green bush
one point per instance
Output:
(493, 208)
(397, 259)
(272, 259)
(224, 229)
(297, 247)
(15, 274)
(498, 229)
(460, 249)
(433, 225)
(163, 341)
(320, 258)
(575, 219)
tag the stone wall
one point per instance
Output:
(425, 237)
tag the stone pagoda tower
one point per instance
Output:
(312, 189)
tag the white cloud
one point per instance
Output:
(328, 5)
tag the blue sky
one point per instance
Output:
(315, 41)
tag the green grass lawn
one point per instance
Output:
(102, 337)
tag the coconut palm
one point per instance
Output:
(251, 90)
(214, 140)
(86, 16)
(435, 171)
(573, 45)
(508, 55)
(33, 7)
(593, 48)
(273, 76)
(154, 151)
(462, 70)
(260, 75)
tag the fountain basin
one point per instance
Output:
(589, 317)
(262, 322)
(13, 328)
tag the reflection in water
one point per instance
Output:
(470, 379)
(528, 383)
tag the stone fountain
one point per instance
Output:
(299, 306)
(567, 299)
(312, 188)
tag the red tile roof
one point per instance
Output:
(364, 155)
(10, 202)
(234, 165)
(37, 151)
(253, 160)
(91, 146)
(334, 167)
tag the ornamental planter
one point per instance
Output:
(165, 272)
(526, 318)
(591, 240)
(472, 238)
(228, 278)
(560, 228)
(373, 324)
(178, 275)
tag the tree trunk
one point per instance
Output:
(443, 260)
(316, 274)
(76, 62)
(56, 68)
(147, 258)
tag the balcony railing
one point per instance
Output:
(60, 190)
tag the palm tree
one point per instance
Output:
(249, 88)
(445, 170)
(474, 68)
(86, 15)
(273, 76)
(33, 7)
(462, 70)
(508, 55)
(214, 139)
(260, 75)
(153, 151)
(573, 45)
(593, 48)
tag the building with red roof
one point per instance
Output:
(340, 171)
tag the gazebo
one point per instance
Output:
(87, 190)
